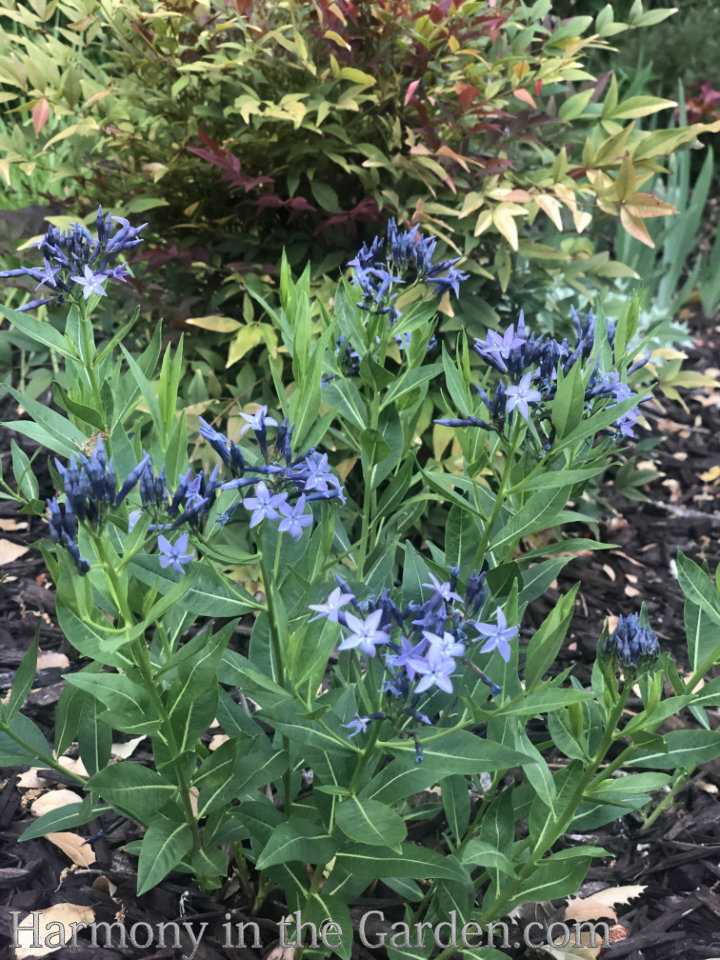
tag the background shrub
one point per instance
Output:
(256, 128)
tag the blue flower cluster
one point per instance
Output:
(407, 254)
(284, 484)
(636, 648)
(90, 486)
(423, 643)
(532, 364)
(76, 257)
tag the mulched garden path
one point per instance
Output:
(676, 860)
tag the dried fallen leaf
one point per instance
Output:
(615, 895)
(281, 953)
(218, 740)
(53, 800)
(74, 847)
(74, 766)
(29, 780)
(51, 658)
(9, 523)
(10, 551)
(711, 475)
(54, 929)
(569, 953)
(125, 750)
(104, 885)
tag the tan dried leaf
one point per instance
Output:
(10, 551)
(125, 750)
(74, 847)
(74, 766)
(51, 658)
(29, 780)
(104, 885)
(569, 953)
(53, 800)
(9, 523)
(281, 953)
(711, 475)
(54, 929)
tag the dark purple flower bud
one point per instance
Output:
(132, 478)
(217, 441)
(474, 593)
(635, 647)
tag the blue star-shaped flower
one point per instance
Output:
(173, 554)
(365, 633)
(498, 636)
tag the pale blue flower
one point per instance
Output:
(264, 504)
(365, 633)
(331, 609)
(91, 283)
(173, 554)
(436, 670)
(519, 396)
(498, 636)
(294, 519)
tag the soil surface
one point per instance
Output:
(676, 860)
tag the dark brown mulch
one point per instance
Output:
(676, 860)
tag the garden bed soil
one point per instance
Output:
(675, 860)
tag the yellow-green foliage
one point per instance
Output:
(269, 125)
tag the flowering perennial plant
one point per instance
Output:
(363, 675)
(74, 258)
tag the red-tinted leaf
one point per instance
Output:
(525, 96)
(466, 93)
(411, 92)
(40, 115)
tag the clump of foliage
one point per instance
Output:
(384, 663)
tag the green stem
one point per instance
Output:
(368, 509)
(680, 781)
(144, 665)
(44, 758)
(364, 757)
(278, 653)
(275, 639)
(89, 355)
(500, 497)
(555, 828)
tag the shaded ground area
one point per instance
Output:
(676, 859)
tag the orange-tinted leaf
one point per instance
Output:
(635, 227)
(551, 207)
(445, 151)
(40, 115)
(646, 205)
(525, 96)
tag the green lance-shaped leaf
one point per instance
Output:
(165, 843)
(304, 840)
(129, 706)
(370, 822)
(133, 789)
